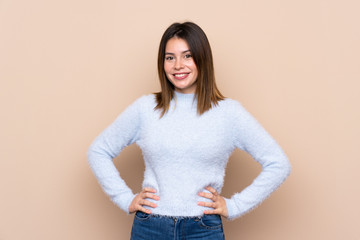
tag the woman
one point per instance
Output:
(186, 133)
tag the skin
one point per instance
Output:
(140, 200)
(178, 60)
(218, 202)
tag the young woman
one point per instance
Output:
(186, 133)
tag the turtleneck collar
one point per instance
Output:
(184, 98)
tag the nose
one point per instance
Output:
(179, 64)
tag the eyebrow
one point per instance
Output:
(168, 53)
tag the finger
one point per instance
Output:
(206, 195)
(142, 209)
(215, 211)
(148, 189)
(147, 203)
(150, 195)
(212, 190)
(208, 204)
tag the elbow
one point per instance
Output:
(93, 154)
(90, 155)
(285, 168)
(281, 168)
(97, 152)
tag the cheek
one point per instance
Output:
(167, 68)
(192, 66)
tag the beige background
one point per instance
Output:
(69, 67)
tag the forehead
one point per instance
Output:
(176, 45)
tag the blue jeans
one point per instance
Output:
(150, 227)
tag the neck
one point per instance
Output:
(185, 98)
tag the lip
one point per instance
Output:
(183, 75)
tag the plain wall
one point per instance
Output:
(69, 67)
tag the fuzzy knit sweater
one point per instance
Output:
(184, 152)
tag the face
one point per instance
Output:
(179, 66)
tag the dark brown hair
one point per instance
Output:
(207, 93)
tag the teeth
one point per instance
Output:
(180, 75)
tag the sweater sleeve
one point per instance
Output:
(250, 136)
(122, 132)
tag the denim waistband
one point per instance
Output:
(175, 217)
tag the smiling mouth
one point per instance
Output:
(181, 76)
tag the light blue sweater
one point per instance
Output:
(185, 152)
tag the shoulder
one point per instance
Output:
(234, 110)
(229, 104)
(145, 100)
(143, 105)
(139, 107)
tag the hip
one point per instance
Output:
(147, 226)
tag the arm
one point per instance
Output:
(250, 136)
(121, 133)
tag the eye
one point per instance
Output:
(169, 58)
(188, 56)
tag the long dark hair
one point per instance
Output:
(207, 92)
